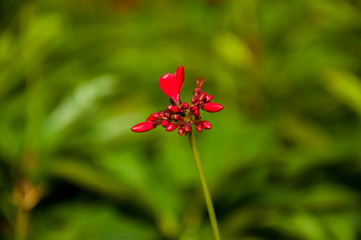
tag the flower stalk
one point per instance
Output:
(183, 115)
(207, 196)
(21, 224)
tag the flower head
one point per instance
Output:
(180, 115)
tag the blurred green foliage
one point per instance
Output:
(282, 159)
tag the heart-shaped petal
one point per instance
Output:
(171, 84)
(179, 74)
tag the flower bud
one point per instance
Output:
(206, 125)
(199, 128)
(180, 130)
(169, 107)
(171, 127)
(202, 96)
(196, 113)
(196, 92)
(167, 115)
(209, 98)
(185, 105)
(156, 116)
(194, 100)
(165, 123)
(188, 127)
(194, 108)
(151, 118)
(174, 109)
(143, 127)
(176, 117)
(212, 107)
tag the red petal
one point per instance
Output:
(143, 127)
(172, 84)
(212, 107)
(179, 74)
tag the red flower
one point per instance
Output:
(172, 84)
(180, 115)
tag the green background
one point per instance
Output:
(282, 159)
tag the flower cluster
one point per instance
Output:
(180, 115)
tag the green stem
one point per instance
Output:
(21, 225)
(207, 196)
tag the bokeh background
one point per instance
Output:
(282, 159)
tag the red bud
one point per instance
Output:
(212, 107)
(156, 116)
(151, 118)
(171, 127)
(209, 98)
(188, 127)
(196, 113)
(165, 123)
(143, 127)
(202, 96)
(161, 113)
(185, 105)
(199, 128)
(194, 100)
(180, 131)
(174, 109)
(196, 92)
(206, 125)
(194, 108)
